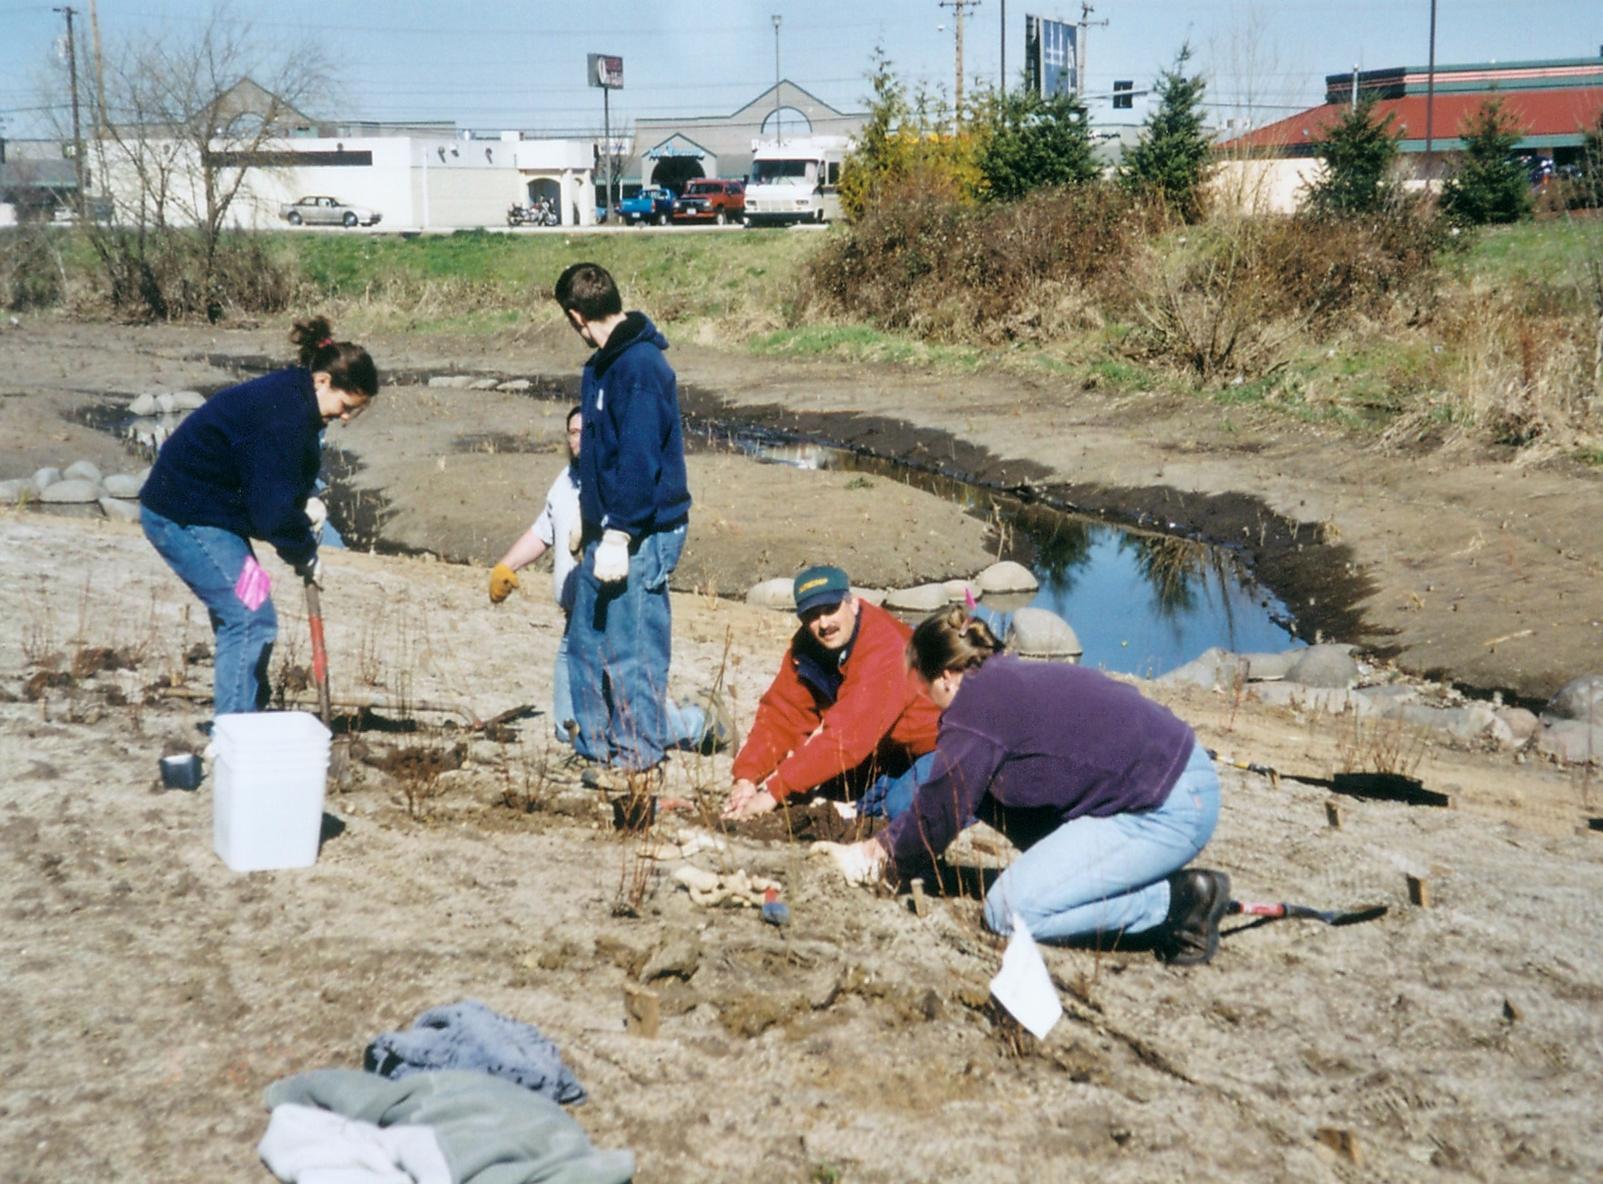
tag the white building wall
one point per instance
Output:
(415, 182)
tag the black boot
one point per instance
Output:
(1197, 900)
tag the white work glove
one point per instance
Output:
(612, 557)
(311, 570)
(318, 513)
(855, 861)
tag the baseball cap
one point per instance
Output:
(818, 586)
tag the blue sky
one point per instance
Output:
(510, 64)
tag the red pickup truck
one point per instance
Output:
(711, 201)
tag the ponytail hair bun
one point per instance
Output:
(348, 366)
(950, 639)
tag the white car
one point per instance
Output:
(327, 211)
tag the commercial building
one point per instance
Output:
(1553, 103)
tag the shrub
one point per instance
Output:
(961, 273)
(1490, 184)
(1358, 154)
(181, 275)
(32, 274)
(1171, 158)
(1028, 142)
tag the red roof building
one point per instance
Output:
(1553, 103)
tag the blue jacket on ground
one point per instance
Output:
(246, 462)
(632, 459)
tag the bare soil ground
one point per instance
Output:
(153, 994)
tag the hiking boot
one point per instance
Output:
(617, 779)
(720, 732)
(1197, 901)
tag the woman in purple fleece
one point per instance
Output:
(1108, 795)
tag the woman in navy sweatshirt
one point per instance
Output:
(1107, 794)
(241, 468)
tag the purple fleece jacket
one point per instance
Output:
(1028, 745)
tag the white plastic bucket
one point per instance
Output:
(267, 789)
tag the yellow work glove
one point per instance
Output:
(502, 580)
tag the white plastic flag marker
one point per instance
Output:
(1023, 985)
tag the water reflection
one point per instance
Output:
(1141, 603)
(1144, 604)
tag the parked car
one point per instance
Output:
(654, 205)
(327, 211)
(711, 201)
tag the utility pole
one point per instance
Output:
(100, 102)
(77, 134)
(1430, 93)
(1003, 87)
(1355, 86)
(957, 7)
(779, 135)
(1079, 45)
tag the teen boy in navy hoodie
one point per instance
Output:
(635, 507)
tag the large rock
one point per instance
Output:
(82, 470)
(515, 385)
(187, 400)
(121, 511)
(1580, 700)
(483, 384)
(45, 477)
(123, 485)
(1007, 576)
(958, 591)
(1521, 724)
(20, 490)
(1214, 669)
(164, 402)
(777, 593)
(1041, 633)
(143, 405)
(1295, 695)
(925, 598)
(872, 595)
(1325, 666)
(1261, 666)
(459, 382)
(71, 492)
(1572, 742)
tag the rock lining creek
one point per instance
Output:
(1147, 591)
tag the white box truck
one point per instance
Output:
(796, 181)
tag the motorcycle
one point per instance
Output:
(538, 213)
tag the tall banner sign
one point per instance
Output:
(1049, 56)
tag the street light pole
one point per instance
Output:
(779, 136)
(1430, 93)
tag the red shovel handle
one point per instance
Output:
(314, 618)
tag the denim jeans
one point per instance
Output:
(209, 559)
(1106, 875)
(619, 646)
(687, 721)
(889, 795)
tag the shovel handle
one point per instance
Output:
(314, 619)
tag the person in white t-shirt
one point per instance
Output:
(555, 530)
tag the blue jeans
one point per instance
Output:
(889, 795)
(561, 692)
(1107, 875)
(619, 646)
(209, 559)
(687, 722)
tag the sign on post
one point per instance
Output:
(1049, 56)
(606, 70)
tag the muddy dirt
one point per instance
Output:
(153, 994)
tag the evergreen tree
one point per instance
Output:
(1358, 153)
(1591, 183)
(1171, 158)
(1491, 183)
(1029, 142)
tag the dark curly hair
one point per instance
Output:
(348, 366)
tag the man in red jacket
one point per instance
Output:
(842, 708)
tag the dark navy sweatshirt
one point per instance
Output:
(246, 462)
(1028, 745)
(632, 460)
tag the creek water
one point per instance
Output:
(1141, 602)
